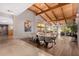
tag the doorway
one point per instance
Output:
(3, 32)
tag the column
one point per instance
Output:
(77, 22)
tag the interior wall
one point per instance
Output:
(6, 19)
(77, 22)
(19, 24)
(14, 8)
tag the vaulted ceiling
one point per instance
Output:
(14, 8)
(55, 12)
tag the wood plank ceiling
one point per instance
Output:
(55, 12)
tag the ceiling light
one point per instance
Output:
(9, 11)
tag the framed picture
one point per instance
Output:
(27, 26)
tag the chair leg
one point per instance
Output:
(46, 45)
(54, 42)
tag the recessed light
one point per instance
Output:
(9, 11)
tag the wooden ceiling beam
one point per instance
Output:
(54, 15)
(59, 5)
(47, 5)
(72, 9)
(66, 18)
(73, 13)
(37, 7)
(44, 19)
(32, 11)
(49, 17)
(59, 19)
(52, 11)
(63, 15)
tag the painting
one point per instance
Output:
(27, 26)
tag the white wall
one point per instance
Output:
(19, 24)
(6, 19)
(77, 22)
(14, 8)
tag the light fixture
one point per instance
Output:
(49, 29)
(11, 27)
(40, 25)
(9, 11)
